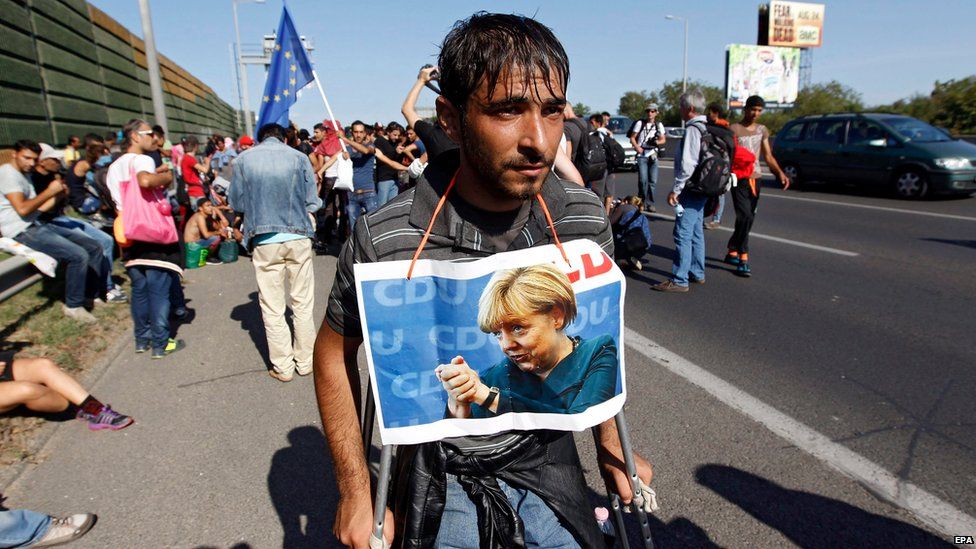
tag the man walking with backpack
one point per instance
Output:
(687, 200)
(646, 136)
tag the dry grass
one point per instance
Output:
(32, 323)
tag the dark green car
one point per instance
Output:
(900, 153)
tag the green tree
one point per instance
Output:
(954, 105)
(632, 103)
(820, 98)
(581, 109)
(669, 96)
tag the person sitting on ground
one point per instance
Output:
(26, 528)
(528, 310)
(630, 244)
(206, 228)
(40, 386)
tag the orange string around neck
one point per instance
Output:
(440, 206)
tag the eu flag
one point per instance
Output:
(290, 71)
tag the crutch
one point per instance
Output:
(369, 415)
(376, 541)
(636, 503)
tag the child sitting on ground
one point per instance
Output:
(40, 386)
(631, 231)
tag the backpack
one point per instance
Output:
(614, 152)
(713, 174)
(590, 159)
(632, 236)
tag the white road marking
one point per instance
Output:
(931, 510)
(870, 207)
(781, 240)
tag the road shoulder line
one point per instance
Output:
(934, 512)
(871, 207)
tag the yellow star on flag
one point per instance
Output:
(285, 92)
(294, 68)
(287, 55)
(293, 81)
(266, 99)
(277, 47)
(277, 98)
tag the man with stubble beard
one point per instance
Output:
(503, 82)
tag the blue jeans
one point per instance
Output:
(21, 528)
(150, 301)
(78, 252)
(362, 201)
(459, 522)
(721, 208)
(386, 191)
(646, 179)
(177, 301)
(689, 240)
(104, 239)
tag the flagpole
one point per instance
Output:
(328, 108)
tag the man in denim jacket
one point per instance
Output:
(274, 189)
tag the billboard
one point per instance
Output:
(794, 24)
(769, 72)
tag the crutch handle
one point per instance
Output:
(377, 543)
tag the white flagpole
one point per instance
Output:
(328, 108)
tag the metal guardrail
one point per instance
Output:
(16, 273)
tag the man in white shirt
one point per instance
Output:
(646, 136)
(19, 205)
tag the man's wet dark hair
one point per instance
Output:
(486, 45)
(271, 130)
(755, 101)
(27, 144)
(358, 123)
(320, 126)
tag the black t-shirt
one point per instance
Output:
(384, 172)
(498, 228)
(434, 138)
(574, 129)
(40, 182)
(156, 156)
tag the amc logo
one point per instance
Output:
(963, 540)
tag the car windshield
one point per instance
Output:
(916, 130)
(619, 124)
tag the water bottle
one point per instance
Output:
(678, 210)
(602, 516)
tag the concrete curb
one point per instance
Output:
(43, 435)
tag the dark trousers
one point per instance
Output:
(80, 254)
(745, 202)
(150, 300)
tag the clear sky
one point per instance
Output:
(368, 53)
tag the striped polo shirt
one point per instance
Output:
(394, 232)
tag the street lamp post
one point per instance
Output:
(684, 70)
(152, 65)
(242, 71)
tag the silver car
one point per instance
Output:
(619, 126)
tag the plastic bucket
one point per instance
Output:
(228, 251)
(193, 260)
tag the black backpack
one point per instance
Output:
(614, 151)
(713, 175)
(590, 159)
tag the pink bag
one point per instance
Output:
(147, 213)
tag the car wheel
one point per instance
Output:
(911, 184)
(792, 171)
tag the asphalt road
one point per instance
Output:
(871, 351)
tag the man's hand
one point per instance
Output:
(354, 522)
(614, 471)
(163, 168)
(784, 180)
(673, 198)
(639, 149)
(56, 186)
(425, 74)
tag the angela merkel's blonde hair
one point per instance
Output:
(519, 292)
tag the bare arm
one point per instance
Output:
(409, 113)
(565, 169)
(24, 206)
(767, 153)
(395, 165)
(337, 389)
(365, 149)
(328, 164)
(612, 465)
(154, 180)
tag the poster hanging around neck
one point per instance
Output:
(514, 341)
